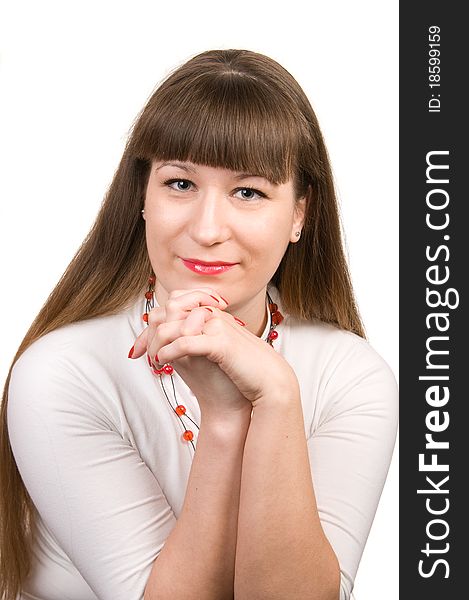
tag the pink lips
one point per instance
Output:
(207, 268)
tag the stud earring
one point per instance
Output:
(297, 233)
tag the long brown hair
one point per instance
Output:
(234, 109)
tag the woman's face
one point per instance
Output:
(198, 216)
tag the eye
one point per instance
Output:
(251, 191)
(169, 183)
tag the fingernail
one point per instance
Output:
(215, 298)
(239, 321)
(224, 299)
(131, 351)
(157, 359)
(208, 308)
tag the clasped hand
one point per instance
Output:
(228, 368)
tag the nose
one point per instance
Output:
(210, 220)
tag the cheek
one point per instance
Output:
(267, 243)
(158, 239)
(278, 232)
(162, 224)
(274, 229)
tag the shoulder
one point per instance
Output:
(94, 339)
(324, 347)
(77, 364)
(350, 381)
(335, 348)
(339, 372)
(336, 354)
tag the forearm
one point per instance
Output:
(282, 551)
(198, 558)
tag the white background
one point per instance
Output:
(74, 75)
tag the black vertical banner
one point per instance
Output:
(434, 254)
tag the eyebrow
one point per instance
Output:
(190, 169)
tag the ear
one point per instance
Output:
(298, 219)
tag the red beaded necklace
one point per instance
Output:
(179, 410)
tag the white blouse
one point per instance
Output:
(100, 451)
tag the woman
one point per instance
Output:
(197, 388)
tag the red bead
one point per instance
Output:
(188, 435)
(277, 317)
(168, 369)
(158, 371)
(152, 280)
(148, 295)
(180, 409)
(273, 307)
(273, 335)
(145, 317)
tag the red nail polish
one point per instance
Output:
(131, 351)
(208, 308)
(239, 321)
(157, 359)
(215, 298)
(224, 299)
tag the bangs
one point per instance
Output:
(226, 120)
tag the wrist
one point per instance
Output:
(279, 398)
(231, 425)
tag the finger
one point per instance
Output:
(155, 317)
(158, 316)
(211, 291)
(196, 319)
(212, 347)
(140, 345)
(228, 317)
(177, 307)
(212, 344)
(168, 332)
(214, 312)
